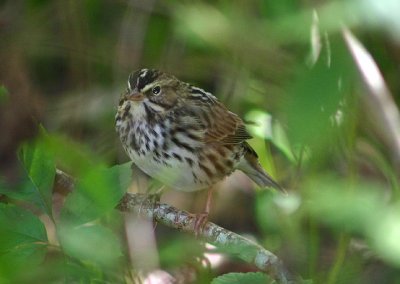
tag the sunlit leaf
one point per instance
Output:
(265, 127)
(383, 14)
(260, 123)
(385, 235)
(333, 15)
(315, 40)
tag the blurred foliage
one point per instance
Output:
(3, 94)
(284, 66)
(23, 241)
(242, 278)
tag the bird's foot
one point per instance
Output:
(200, 220)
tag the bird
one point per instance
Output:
(183, 136)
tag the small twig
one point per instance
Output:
(224, 239)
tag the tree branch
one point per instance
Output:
(224, 239)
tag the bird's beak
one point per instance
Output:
(135, 96)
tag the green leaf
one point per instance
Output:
(315, 99)
(359, 208)
(98, 192)
(93, 243)
(23, 239)
(168, 251)
(19, 226)
(76, 159)
(354, 207)
(40, 167)
(243, 278)
(24, 190)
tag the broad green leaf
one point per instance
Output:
(74, 158)
(315, 98)
(13, 263)
(25, 190)
(23, 240)
(93, 243)
(18, 226)
(40, 168)
(243, 278)
(96, 193)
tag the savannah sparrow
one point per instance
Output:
(182, 135)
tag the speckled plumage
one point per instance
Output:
(182, 135)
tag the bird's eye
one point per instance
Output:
(156, 90)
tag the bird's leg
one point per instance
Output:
(202, 218)
(209, 199)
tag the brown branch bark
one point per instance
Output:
(223, 239)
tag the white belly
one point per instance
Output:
(177, 174)
(171, 165)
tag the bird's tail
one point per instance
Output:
(252, 168)
(263, 179)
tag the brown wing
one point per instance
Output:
(224, 126)
(211, 121)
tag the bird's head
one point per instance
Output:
(153, 90)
